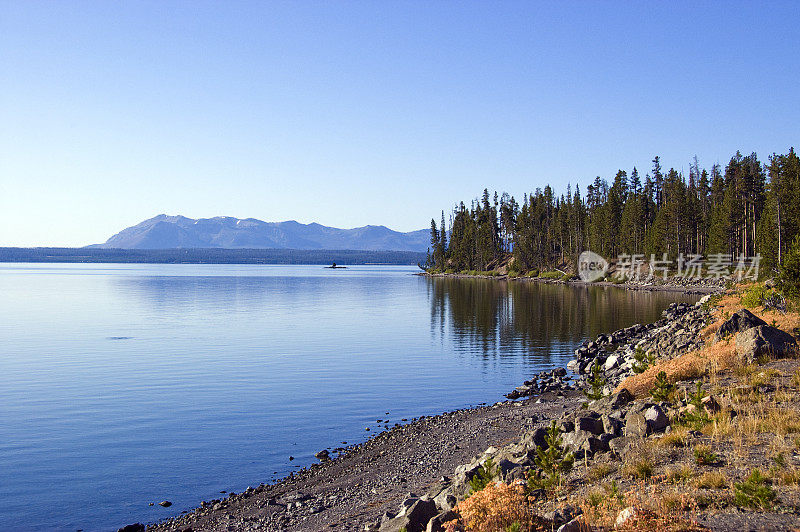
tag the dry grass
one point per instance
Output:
(677, 437)
(721, 355)
(714, 357)
(712, 480)
(680, 474)
(656, 509)
(599, 472)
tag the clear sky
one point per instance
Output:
(355, 113)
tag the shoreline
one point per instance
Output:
(368, 480)
(702, 288)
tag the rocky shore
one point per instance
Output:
(700, 286)
(411, 476)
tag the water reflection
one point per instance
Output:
(501, 318)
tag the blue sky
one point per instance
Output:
(355, 113)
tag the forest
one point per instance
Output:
(748, 208)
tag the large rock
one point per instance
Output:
(436, 522)
(445, 500)
(136, 527)
(635, 425)
(764, 340)
(576, 525)
(656, 419)
(741, 321)
(589, 424)
(414, 518)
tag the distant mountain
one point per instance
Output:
(168, 232)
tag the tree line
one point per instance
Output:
(747, 208)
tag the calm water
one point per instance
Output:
(122, 385)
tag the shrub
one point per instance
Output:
(551, 462)
(662, 388)
(703, 455)
(755, 295)
(496, 507)
(596, 383)
(754, 492)
(642, 360)
(482, 477)
(641, 468)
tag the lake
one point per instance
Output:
(126, 384)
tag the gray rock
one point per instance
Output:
(136, 527)
(165, 504)
(323, 455)
(741, 321)
(612, 424)
(611, 362)
(764, 340)
(596, 445)
(656, 419)
(573, 526)
(635, 425)
(445, 501)
(436, 522)
(593, 425)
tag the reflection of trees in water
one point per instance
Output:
(499, 317)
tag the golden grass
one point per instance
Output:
(721, 355)
(712, 480)
(714, 357)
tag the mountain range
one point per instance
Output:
(168, 232)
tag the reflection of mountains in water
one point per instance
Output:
(498, 316)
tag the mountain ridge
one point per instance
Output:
(172, 232)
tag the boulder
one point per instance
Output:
(323, 455)
(414, 518)
(620, 446)
(656, 419)
(612, 424)
(625, 515)
(764, 340)
(590, 424)
(741, 321)
(635, 425)
(576, 525)
(614, 401)
(437, 521)
(446, 501)
(136, 527)
(594, 445)
(611, 362)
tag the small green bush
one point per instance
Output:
(643, 360)
(596, 383)
(754, 492)
(755, 295)
(703, 455)
(482, 477)
(551, 462)
(662, 388)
